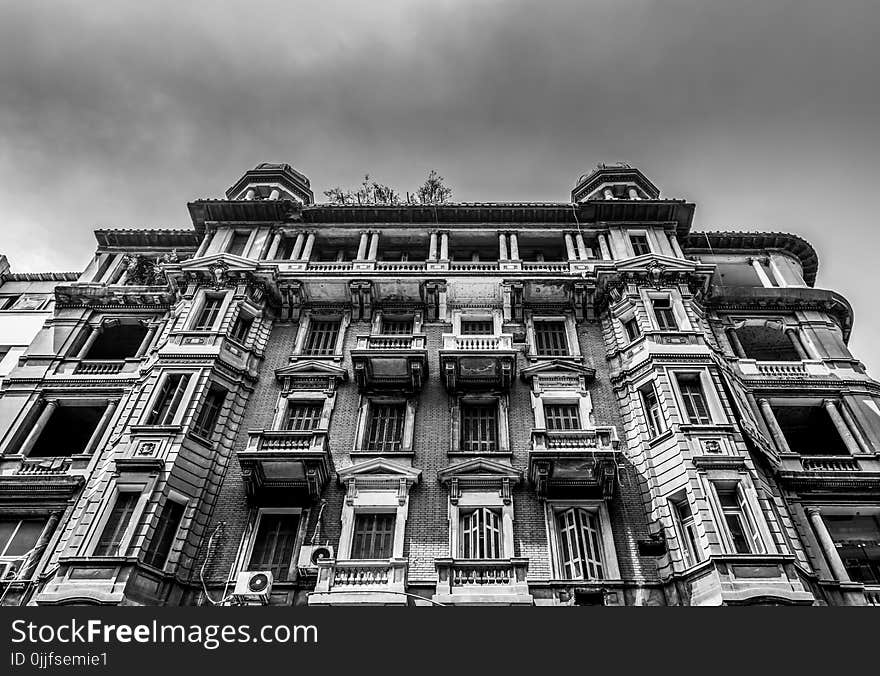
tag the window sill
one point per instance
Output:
(330, 357)
(156, 429)
(711, 427)
(660, 438)
(472, 454)
(365, 452)
(203, 441)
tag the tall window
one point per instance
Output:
(238, 243)
(481, 534)
(385, 427)
(17, 538)
(206, 420)
(110, 542)
(274, 544)
(562, 417)
(738, 519)
(303, 416)
(653, 414)
(550, 338)
(6, 302)
(373, 536)
(479, 427)
(477, 327)
(169, 399)
(241, 328)
(694, 399)
(322, 337)
(857, 539)
(579, 548)
(397, 326)
(631, 326)
(640, 245)
(686, 528)
(664, 314)
(160, 546)
(208, 313)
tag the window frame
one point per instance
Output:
(198, 308)
(366, 512)
(279, 420)
(606, 537)
(185, 400)
(171, 556)
(247, 555)
(502, 422)
(197, 427)
(573, 349)
(470, 499)
(302, 337)
(241, 318)
(755, 528)
(632, 247)
(659, 425)
(125, 484)
(717, 415)
(686, 531)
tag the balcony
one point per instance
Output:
(574, 463)
(286, 459)
(500, 582)
(824, 472)
(477, 361)
(783, 370)
(362, 582)
(390, 361)
(872, 596)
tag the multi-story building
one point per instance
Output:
(576, 403)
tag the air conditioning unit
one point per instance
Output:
(253, 586)
(309, 555)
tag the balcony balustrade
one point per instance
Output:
(582, 461)
(477, 361)
(785, 370)
(286, 459)
(377, 582)
(482, 581)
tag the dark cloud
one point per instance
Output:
(116, 114)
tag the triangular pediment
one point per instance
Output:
(650, 262)
(228, 261)
(557, 366)
(479, 468)
(311, 367)
(379, 467)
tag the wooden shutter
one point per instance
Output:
(479, 427)
(562, 417)
(373, 536)
(481, 534)
(274, 544)
(322, 337)
(550, 338)
(385, 431)
(580, 551)
(304, 416)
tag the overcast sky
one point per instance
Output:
(765, 113)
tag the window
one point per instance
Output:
(397, 327)
(385, 427)
(479, 427)
(6, 302)
(640, 245)
(68, 431)
(694, 399)
(477, 327)
(631, 326)
(664, 314)
(653, 414)
(111, 540)
(206, 420)
(579, 544)
(481, 534)
(208, 313)
(373, 536)
(241, 328)
(274, 544)
(168, 400)
(118, 341)
(303, 416)
(17, 538)
(163, 537)
(738, 520)
(857, 540)
(562, 417)
(550, 338)
(238, 242)
(322, 336)
(686, 529)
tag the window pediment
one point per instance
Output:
(310, 375)
(378, 474)
(558, 367)
(482, 474)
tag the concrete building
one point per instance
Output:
(574, 403)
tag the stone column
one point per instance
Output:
(275, 194)
(374, 246)
(94, 332)
(582, 246)
(95, 439)
(773, 425)
(444, 246)
(735, 344)
(848, 439)
(38, 428)
(432, 248)
(297, 246)
(676, 247)
(273, 250)
(28, 567)
(145, 343)
(795, 340)
(854, 428)
(827, 544)
(362, 247)
(569, 247)
(514, 247)
(604, 248)
(502, 246)
(762, 275)
(633, 194)
(206, 242)
(249, 195)
(307, 249)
